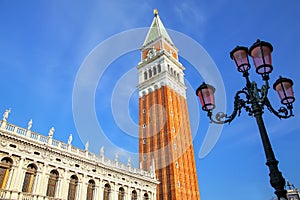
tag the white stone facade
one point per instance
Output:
(29, 159)
(163, 70)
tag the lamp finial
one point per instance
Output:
(155, 11)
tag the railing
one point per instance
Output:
(21, 131)
(10, 127)
(34, 136)
(43, 139)
(71, 149)
(14, 195)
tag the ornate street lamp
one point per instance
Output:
(253, 100)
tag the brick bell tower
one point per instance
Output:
(165, 140)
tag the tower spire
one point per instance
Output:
(157, 30)
(158, 40)
(165, 142)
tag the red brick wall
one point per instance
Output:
(167, 124)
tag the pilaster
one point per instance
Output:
(100, 189)
(65, 185)
(83, 187)
(19, 176)
(38, 183)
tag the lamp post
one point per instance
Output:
(253, 100)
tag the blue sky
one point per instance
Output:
(44, 43)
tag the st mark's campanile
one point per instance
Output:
(165, 139)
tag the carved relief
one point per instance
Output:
(64, 161)
(4, 143)
(29, 150)
(44, 154)
(21, 148)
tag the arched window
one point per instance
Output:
(72, 187)
(90, 190)
(178, 77)
(52, 182)
(29, 178)
(154, 71)
(106, 194)
(121, 195)
(133, 195)
(150, 73)
(146, 196)
(145, 75)
(5, 167)
(158, 68)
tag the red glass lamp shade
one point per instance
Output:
(261, 51)
(284, 88)
(240, 56)
(205, 93)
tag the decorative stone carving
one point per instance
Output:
(21, 148)
(151, 52)
(29, 150)
(51, 156)
(4, 143)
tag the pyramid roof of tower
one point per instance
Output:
(156, 31)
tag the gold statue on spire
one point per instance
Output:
(155, 11)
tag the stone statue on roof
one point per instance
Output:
(102, 151)
(116, 157)
(29, 124)
(51, 131)
(70, 139)
(87, 146)
(5, 114)
(129, 161)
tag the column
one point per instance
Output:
(58, 187)
(112, 195)
(140, 194)
(83, 187)
(95, 193)
(42, 181)
(127, 193)
(37, 183)
(60, 184)
(10, 181)
(100, 190)
(19, 176)
(79, 191)
(64, 186)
